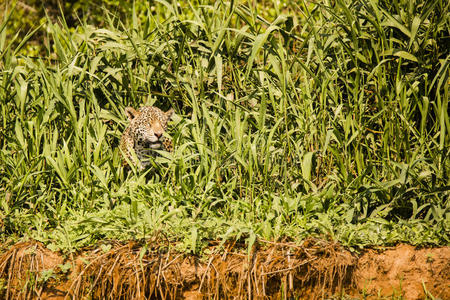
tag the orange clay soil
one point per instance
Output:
(315, 269)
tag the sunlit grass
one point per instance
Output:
(323, 119)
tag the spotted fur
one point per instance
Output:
(145, 134)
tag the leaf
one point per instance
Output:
(218, 59)
(250, 242)
(134, 211)
(414, 28)
(393, 22)
(100, 175)
(307, 166)
(193, 238)
(260, 40)
(405, 55)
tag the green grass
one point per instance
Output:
(292, 120)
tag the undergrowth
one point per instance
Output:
(292, 120)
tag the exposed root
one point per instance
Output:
(314, 269)
(26, 269)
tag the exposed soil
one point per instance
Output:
(314, 269)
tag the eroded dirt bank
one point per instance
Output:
(315, 269)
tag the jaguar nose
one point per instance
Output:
(158, 134)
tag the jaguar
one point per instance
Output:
(144, 134)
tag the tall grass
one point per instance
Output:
(294, 120)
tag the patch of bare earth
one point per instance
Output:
(314, 269)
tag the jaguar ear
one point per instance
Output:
(169, 114)
(131, 113)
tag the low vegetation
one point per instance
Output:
(325, 119)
